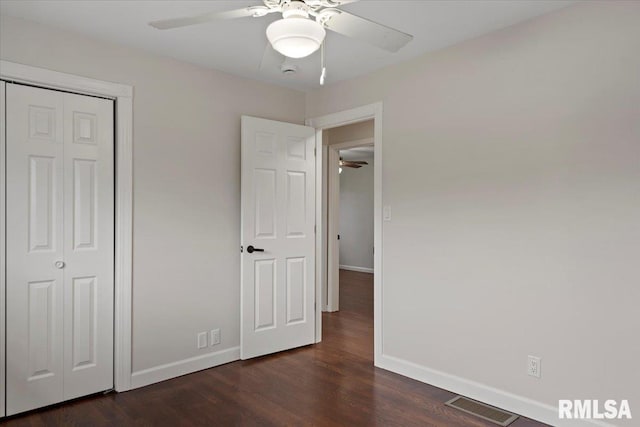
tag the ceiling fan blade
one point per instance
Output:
(349, 164)
(271, 59)
(166, 24)
(362, 29)
(355, 162)
(336, 3)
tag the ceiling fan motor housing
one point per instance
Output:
(295, 35)
(295, 8)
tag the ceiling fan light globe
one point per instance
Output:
(296, 37)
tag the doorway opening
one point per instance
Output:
(350, 233)
(350, 213)
(356, 136)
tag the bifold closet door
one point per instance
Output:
(60, 244)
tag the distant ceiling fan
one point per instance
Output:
(351, 163)
(301, 31)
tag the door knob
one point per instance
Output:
(59, 264)
(251, 249)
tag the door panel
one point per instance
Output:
(84, 204)
(41, 203)
(296, 290)
(278, 215)
(296, 204)
(60, 239)
(84, 322)
(89, 243)
(265, 294)
(34, 194)
(40, 339)
(265, 203)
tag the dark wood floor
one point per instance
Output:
(330, 384)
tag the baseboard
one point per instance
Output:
(354, 268)
(499, 398)
(183, 367)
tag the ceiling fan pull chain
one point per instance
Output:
(323, 73)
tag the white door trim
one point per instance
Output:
(2, 246)
(366, 112)
(123, 96)
(331, 287)
(333, 223)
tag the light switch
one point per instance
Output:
(386, 213)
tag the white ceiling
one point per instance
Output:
(237, 46)
(357, 153)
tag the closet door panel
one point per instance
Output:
(60, 240)
(34, 196)
(89, 245)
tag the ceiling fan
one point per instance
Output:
(351, 163)
(301, 31)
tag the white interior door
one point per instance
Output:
(35, 159)
(278, 217)
(59, 197)
(88, 245)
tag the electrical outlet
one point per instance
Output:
(215, 336)
(533, 366)
(202, 340)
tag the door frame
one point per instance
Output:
(2, 248)
(123, 146)
(341, 118)
(332, 289)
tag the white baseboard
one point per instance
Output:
(354, 268)
(499, 398)
(183, 367)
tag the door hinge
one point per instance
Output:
(314, 229)
(241, 249)
(314, 152)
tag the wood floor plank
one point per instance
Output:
(333, 383)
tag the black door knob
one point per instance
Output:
(251, 249)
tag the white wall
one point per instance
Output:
(356, 215)
(512, 165)
(352, 132)
(186, 260)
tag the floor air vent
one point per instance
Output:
(486, 412)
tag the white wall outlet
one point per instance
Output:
(533, 366)
(202, 340)
(215, 336)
